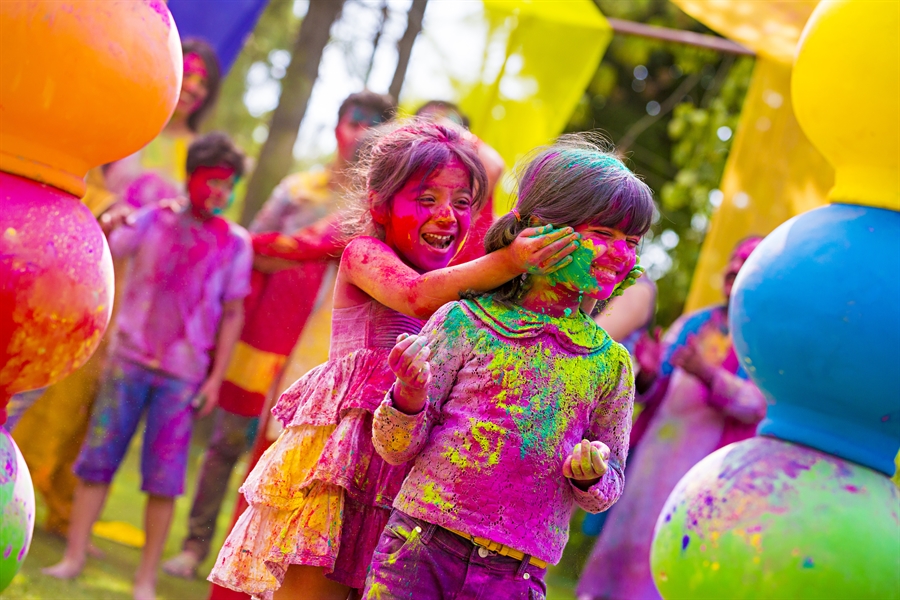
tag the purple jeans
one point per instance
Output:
(415, 559)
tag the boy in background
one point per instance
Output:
(181, 314)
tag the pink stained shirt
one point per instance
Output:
(512, 393)
(180, 274)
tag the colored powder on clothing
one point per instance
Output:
(432, 496)
(547, 414)
(513, 392)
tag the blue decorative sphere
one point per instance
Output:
(815, 315)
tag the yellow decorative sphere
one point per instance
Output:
(846, 95)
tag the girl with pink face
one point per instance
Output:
(321, 495)
(514, 405)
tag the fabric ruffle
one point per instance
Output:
(324, 395)
(296, 525)
(344, 457)
(315, 487)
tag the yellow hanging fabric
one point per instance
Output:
(552, 51)
(773, 172)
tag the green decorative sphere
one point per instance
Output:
(765, 518)
(16, 509)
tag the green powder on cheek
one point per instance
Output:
(578, 272)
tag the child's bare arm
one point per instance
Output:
(373, 267)
(229, 332)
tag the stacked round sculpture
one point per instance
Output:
(807, 509)
(83, 84)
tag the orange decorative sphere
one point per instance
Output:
(83, 83)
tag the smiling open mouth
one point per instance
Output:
(441, 242)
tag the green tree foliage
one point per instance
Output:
(267, 52)
(672, 109)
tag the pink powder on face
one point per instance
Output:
(736, 262)
(209, 189)
(429, 220)
(195, 65)
(614, 258)
(194, 84)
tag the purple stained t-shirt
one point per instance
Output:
(512, 393)
(181, 273)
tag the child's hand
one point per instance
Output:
(409, 362)
(648, 352)
(207, 397)
(115, 216)
(629, 280)
(690, 358)
(587, 463)
(543, 250)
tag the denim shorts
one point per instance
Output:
(127, 391)
(415, 559)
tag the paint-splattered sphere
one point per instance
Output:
(765, 518)
(17, 505)
(56, 285)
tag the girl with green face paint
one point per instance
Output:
(514, 405)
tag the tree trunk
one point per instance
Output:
(276, 156)
(404, 47)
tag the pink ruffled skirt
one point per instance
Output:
(320, 495)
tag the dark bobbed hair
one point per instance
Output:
(398, 151)
(575, 181)
(383, 104)
(213, 78)
(212, 150)
(445, 106)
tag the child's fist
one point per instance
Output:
(409, 361)
(588, 462)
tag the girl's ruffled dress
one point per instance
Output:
(321, 495)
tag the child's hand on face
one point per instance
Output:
(587, 463)
(409, 362)
(543, 250)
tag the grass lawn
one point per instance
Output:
(110, 578)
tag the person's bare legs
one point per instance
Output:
(157, 521)
(303, 581)
(86, 508)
